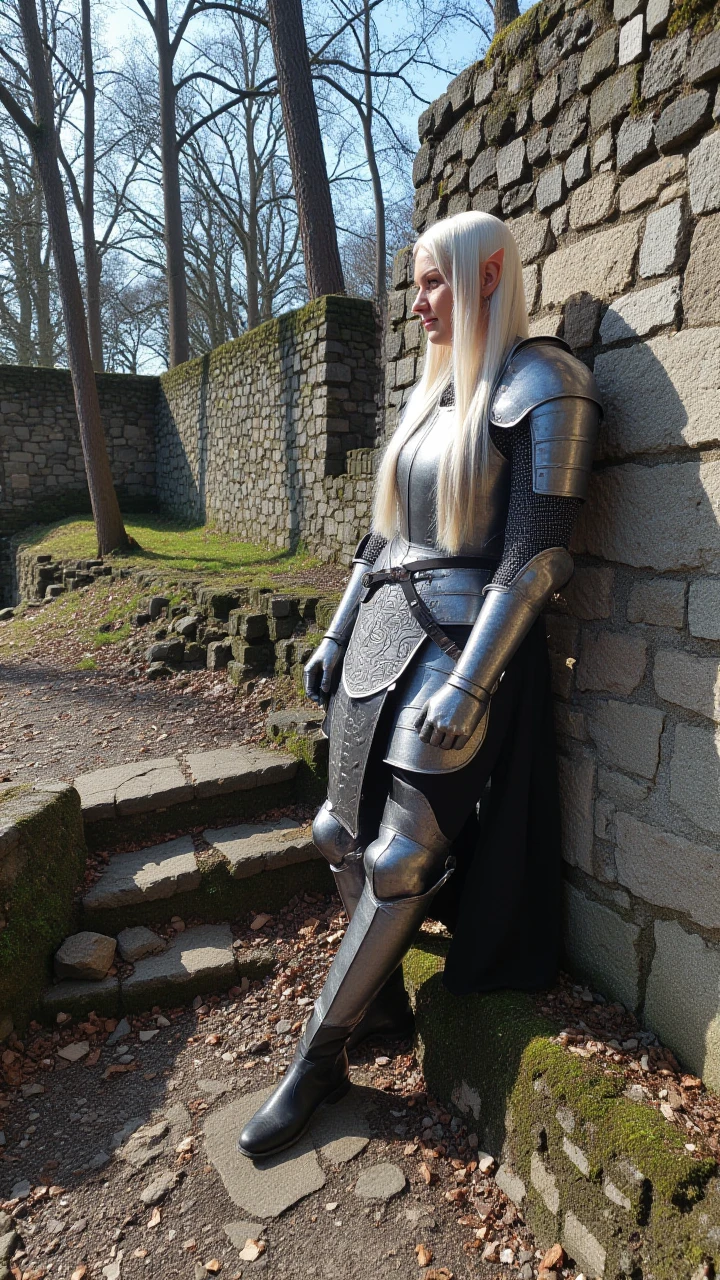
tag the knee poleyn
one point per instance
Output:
(399, 867)
(331, 838)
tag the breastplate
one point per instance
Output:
(417, 474)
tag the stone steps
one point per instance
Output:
(149, 797)
(224, 870)
(200, 959)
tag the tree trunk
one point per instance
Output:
(106, 511)
(323, 268)
(251, 255)
(93, 265)
(506, 11)
(174, 244)
(378, 198)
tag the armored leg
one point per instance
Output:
(389, 1013)
(405, 867)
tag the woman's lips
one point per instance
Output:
(428, 320)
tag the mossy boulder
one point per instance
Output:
(42, 857)
(609, 1177)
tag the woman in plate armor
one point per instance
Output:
(435, 667)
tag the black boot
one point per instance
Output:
(389, 1015)
(284, 1117)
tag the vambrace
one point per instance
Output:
(345, 615)
(506, 618)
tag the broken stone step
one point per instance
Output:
(251, 848)
(199, 960)
(200, 787)
(161, 871)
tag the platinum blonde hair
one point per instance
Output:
(483, 332)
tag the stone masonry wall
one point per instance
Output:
(594, 132)
(42, 473)
(272, 436)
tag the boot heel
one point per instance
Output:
(338, 1093)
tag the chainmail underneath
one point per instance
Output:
(535, 521)
(375, 545)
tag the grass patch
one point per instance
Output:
(174, 548)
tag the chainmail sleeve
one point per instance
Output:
(535, 521)
(373, 547)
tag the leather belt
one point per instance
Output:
(402, 575)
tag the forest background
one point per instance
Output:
(114, 67)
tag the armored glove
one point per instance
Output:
(450, 717)
(318, 673)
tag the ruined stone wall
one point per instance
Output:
(42, 472)
(271, 436)
(594, 133)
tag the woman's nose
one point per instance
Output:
(419, 303)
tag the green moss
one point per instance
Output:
(43, 857)
(497, 1050)
(512, 41)
(86, 664)
(698, 15)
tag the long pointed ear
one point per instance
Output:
(491, 272)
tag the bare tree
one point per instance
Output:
(41, 134)
(30, 325)
(506, 11)
(323, 267)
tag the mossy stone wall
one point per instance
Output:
(608, 1177)
(42, 858)
(592, 130)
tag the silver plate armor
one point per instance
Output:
(542, 378)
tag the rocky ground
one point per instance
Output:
(119, 1153)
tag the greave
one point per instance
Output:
(350, 881)
(376, 940)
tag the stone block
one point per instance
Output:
(666, 65)
(570, 722)
(701, 293)
(531, 285)
(140, 787)
(667, 870)
(569, 129)
(582, 313)
(598, 60)
(544, 1181)
(611, 662)
(486, 200)
(510, 1184)
(624, 9)
(589, 592)
(593, 202)
(577, 798)
(689, 681)
(640, 313)
(531, 234)
(627, 736)
(583, 1246)
(512, 165)
(200, 959)
(422, 164)
(146, 875)
(704, 175)
(705, 59)
(484, 87)
(663, 518)
(538, 146)
(85, 957)
(547, 326)
(559, 221)
(631, 46)
(550, 189)
(682, 120)
(658, 603)
(635, 142)
(601, 947)
(657, 16)
(545, 99)
(517, 198)
(695, 775)
(577, 167)
(599, 264)
(681, 1002)
(611, 100)
(663, 241)
(647, 184)
(603, 149)
(704, 608)
(662, 394)
(137, 942)
(251, 848)
(82, 998)
(621, 788)
(229, 769)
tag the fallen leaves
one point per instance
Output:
(424, 1255)
(425, 1173)
(259, 921)
(554, 1258)
(155, 1218)
(213, 1266)
(80, 1272)
(252, 1250)
(439, 1273)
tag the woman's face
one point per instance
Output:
(434, 302)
